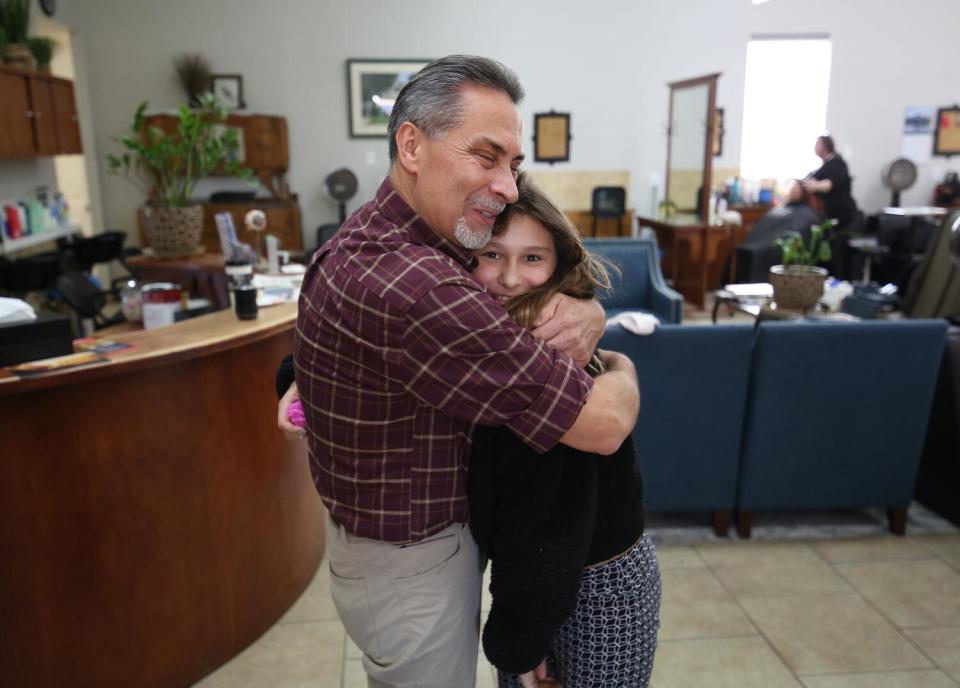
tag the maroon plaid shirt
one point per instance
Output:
(398, 353)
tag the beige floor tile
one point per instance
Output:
(822, 634)
(942, 645)
(486, 676)
(353, 674)
(946, 546)
(898, 679)
(315, 604)
(881, 548)
(676, 557)
(353, 652)
(770, 569)
(695, 605)
(719, 663)
(287, 656)
(925, 592)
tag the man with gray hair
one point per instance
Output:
(399, 353)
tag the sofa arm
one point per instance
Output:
(666, 304)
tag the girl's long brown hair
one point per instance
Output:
(579, 273)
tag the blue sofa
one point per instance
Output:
(787, 415)
(640, 285)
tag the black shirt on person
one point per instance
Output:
(838, 204)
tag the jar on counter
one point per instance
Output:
(161, 302)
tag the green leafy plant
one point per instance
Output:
(167, 166)
(14, 19)
(817, 250)
(42, 49)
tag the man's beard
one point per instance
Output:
(468, 238)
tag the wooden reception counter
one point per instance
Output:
(153, 520)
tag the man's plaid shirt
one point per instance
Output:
(398, 354)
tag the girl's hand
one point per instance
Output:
(538, 678)
(283, 422)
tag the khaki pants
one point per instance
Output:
(412, 609)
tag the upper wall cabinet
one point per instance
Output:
(38, 115)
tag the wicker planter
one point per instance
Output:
(18, 55)
(174, 231)
(797, 286)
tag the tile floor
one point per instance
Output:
(871, 611)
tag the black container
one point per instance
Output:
(48, 336)
(246, 302)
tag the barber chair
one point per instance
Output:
(86, 300)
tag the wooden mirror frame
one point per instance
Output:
(710, 80)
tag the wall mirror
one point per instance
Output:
(690, 143)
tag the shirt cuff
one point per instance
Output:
(547, 419)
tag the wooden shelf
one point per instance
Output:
(13, 245)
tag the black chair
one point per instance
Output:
(86, 300)
(608, 203)
(82, 253)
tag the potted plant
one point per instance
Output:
(798, 282)
(42, 49)
(167, 166)
(14, 20)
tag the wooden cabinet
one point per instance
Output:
(38, 115)
(16, 128)
(67, 123)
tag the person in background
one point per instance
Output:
(399, 352)
(574, 579)
(757, 253)
(831, 184)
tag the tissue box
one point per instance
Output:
(47, 336)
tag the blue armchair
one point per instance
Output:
(640, 287)
(836, 416)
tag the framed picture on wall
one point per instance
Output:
(228, 88)
(718, 133)
(551, 137)
(372, 89)
(946, 138)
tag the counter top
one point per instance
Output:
(181, 341)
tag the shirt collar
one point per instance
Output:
(393, 207)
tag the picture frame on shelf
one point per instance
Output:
(228, 88)
(551, 137)
(372, 87)
(946, 135)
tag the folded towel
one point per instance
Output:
(636, 322)
(15, 310)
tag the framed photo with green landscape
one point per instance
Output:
(372, 88)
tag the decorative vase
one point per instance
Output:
(174, 231)
(18, 55)
(797, 286)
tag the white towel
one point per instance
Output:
(635, 322)
(15, 310)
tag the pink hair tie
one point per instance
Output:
(295, 414)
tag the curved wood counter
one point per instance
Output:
(153, 520)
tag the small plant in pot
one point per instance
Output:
(42, 49)
(14, 21)
(798, 282)
(167, 166)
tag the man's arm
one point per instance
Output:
(610, 412)
(573, 326)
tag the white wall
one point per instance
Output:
(605, 62)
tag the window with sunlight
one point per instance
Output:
(784, 106)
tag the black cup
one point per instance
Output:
(246, 300)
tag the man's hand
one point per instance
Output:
(573, 326)
(538, 678)
(289, 429)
